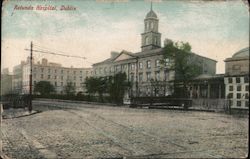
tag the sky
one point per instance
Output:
(215, 29)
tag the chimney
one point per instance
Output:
(44, 62)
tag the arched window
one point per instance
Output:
(155, 40)
(146, 40)
(151, 25)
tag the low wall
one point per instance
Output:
(218, 105)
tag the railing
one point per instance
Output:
(160, 102)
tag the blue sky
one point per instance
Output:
(214, 29)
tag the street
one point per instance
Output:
(76, 130)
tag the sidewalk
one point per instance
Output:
(16, 113)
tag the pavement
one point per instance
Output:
(74, 130)
(17, 113)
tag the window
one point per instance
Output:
(61, 83)
(166, 75)
(48, 76)
(132, 77)
(74, 72)
(237, 79)
(80, 72)
(238, 88)
(132, 66)
(230, 80)
(74, 84)
(74, 77)
(246, 96)
(167, 61)
(247, 88)
(34, 75)
(80, 78)
(238, 103)
(55, 83)
(148, 76)
(246, 103)
(231, 88)
(61, 77)
(230, 95)
(100, 70)
(42, 69)
(246, 79)
(238, 95)
(157, 63)
(157, 75)
(140, 77)
(140, 65)
(49, 70)
(151, 25)
(41, 76)
(105, 70)
(146, 40)
(34, 82)
(55, 70)
(148, 64)
(61, 71)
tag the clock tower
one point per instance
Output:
(151, 38)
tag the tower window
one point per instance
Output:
(151, 25)
(146, 40)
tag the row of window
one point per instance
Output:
(240, 103)
(238, 95)
(55, 71)
(239, 88)
(238, 80)
(132, 66)
(55, 77)
(149, 77)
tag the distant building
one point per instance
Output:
(144, 69)
(237, 79)
(6, 82)
(55, 73)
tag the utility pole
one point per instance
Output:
(30, 95)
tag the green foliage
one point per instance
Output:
(44, 87)
(70, 89)
(118, 87)
(181, 61)
(114, 86)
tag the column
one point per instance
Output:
(198, 91)
(219, 91)
(208, 90)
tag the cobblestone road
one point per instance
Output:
(74, 130)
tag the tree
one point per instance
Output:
(118, 86)
(70, 89)
(179, 58)
(44, 87)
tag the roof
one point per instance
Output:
(242, 53)
(142, 54)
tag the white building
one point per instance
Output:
(55, 73)
(237, 79)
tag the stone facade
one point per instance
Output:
(148, 75)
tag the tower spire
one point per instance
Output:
(151, 6)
